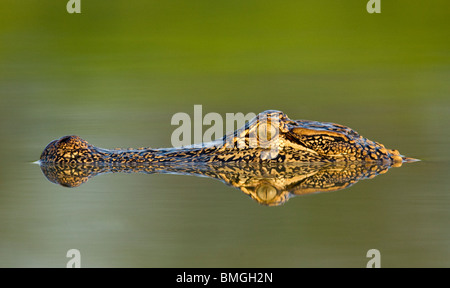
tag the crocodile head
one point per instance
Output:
(286, 140)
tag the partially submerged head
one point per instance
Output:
(271, 136)
(67, 149)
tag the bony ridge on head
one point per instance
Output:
(63, 149)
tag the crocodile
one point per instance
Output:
(271, 137)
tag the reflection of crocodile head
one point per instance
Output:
(271, 137)
(268, 184)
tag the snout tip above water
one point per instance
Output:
(410, 160)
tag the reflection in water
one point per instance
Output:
(268, 184)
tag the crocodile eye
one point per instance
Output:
(267, 132)
(266, 192)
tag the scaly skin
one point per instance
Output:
(271, 137)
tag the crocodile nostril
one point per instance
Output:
(65, 139)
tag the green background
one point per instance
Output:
(116, 73)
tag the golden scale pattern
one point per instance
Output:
(295, 141)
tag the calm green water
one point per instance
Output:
(115, 75)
